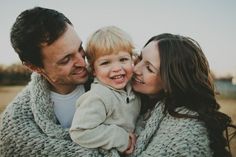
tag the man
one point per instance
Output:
(36, 122)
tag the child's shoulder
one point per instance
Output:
(99, 88)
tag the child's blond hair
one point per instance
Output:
(107, 40)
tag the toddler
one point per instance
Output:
(106, 115)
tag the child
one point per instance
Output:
(105, 116)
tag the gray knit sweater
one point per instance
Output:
(165, 136)
(30, 128)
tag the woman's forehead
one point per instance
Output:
(150, 53)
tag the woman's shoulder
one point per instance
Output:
(181, 129)
(187, 136)
(185, 124)
(182, 135)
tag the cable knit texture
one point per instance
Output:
(30, 128)
(167, 136)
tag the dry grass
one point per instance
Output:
(228, 106)
(7, 93)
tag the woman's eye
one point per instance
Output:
(149, 69)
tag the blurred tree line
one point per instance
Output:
(15, 74)
(18, 74)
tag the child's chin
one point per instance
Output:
(119, 86)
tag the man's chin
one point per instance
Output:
(81, 80)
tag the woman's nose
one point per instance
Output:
(137, 68)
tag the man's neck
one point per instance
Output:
(64, 89)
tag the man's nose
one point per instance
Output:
(79, 60)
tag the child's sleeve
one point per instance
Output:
(88, 128)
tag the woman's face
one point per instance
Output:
(147, 78)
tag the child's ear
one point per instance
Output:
(94, 73)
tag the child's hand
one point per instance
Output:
(131, 146)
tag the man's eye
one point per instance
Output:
(65, 60)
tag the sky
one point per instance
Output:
(210, 22)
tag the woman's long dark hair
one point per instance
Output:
(185, 72)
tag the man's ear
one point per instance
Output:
(33, 68)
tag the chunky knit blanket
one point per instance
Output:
(162, 135)
(30, 128)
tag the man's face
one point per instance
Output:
(64, 64)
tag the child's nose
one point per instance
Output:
(116, 67)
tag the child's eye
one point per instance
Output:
(124, 59)
(104, 63)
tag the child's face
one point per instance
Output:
(114, 70)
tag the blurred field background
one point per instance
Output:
(14, 78)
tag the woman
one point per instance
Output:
(180, 114)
